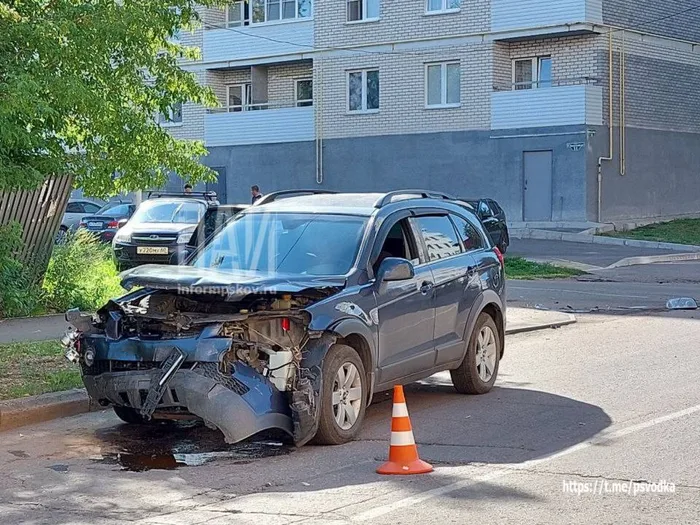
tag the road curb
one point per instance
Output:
(583, 238)
(16, 413)
(570, 319)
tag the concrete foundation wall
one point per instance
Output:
(467, 164)
(662, 175)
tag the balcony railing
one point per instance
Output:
(510, 15)
(273, 42)
(259, 124)
(548, 106)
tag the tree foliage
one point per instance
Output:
(80, 84)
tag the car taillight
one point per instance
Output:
(113, 225)
(499, 255)
(82, 225)
(285, 324)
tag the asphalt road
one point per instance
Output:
(588, 407)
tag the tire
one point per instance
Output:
(130, 415)
(466, 378)
(330, 432)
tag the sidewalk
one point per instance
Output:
(33, 328)
(54, 326)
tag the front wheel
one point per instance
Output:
(478, 371)
(344, 397)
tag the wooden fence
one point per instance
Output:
(39, 212)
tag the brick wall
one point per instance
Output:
(572, 58)
(399, 20)
(662, 84)
(402, 93)
(281, 81)
(638, 14)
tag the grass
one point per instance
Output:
(681, 231)
(36, 367)
(519, 268)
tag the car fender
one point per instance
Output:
(486, 298)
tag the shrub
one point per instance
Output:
(81, 274)
(19, 291)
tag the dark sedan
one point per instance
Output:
(105, 222)
(493, 218)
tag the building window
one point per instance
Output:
(362, 10)
(173, 117)
(237, 14)
(304, 93)
(529, 73)
(442, 6)
(442, 85)
(238, 97)
(363, 91)
(275, 10)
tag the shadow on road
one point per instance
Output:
(508, 425)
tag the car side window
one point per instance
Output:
(484, 210)
(91, 208)
(74, 207)
(471, 238)
(439, 236)
(399, 242)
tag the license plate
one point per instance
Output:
(152, 250)
(94, 225)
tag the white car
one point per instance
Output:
(76, 210)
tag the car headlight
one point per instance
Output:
(122, 236)
(184, 237)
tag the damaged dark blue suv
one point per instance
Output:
(294, 313)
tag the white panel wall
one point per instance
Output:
(259, 127)
(557, 106)
(521, 14)
(258, 41)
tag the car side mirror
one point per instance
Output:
(395, 269)
(121, 223)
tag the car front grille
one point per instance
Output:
(159, 240)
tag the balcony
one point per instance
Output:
(264, 126)
(548, 106)
(545, 17)
(259, 43)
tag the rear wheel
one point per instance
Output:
(344, 397)
(130, 415)
(505, 241)
(478, 371)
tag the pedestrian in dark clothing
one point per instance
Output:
(255, 191)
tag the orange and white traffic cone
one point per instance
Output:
(403, 453)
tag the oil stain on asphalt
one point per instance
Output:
(167, 446)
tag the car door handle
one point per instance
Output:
(426, 287)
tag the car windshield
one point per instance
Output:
(181, 212)
(288, 243)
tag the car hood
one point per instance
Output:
(236, 283)
(160, 227)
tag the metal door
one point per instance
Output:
(537, 185)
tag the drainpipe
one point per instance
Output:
(610, 126)
(318, 107)
(622, 106)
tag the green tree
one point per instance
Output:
(80, 84)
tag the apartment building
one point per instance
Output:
(562, 110)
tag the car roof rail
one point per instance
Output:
(416, 194)
(271, 197)
(207, 195)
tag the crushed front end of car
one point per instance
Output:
(189, 346)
